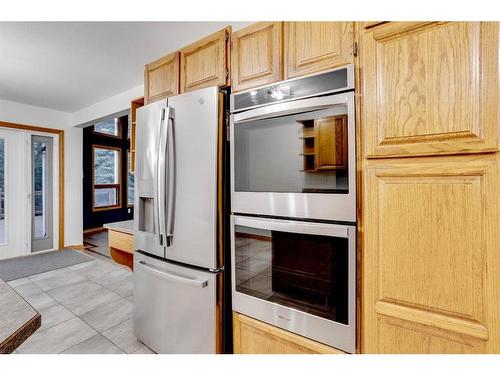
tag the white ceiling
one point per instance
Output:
(68, 66)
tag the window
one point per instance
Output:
(111, 127)
(2, 191)
(107, 187)
(130, 181)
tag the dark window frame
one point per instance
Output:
(117, 186)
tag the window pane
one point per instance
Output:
(106, 166)
(2, 192)
(109, 127)
(104, 197)
(130, 183)
(39, 165)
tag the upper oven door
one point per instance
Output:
(296, 159)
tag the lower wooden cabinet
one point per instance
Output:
(251, 336)
(121, 247)
(430, 256)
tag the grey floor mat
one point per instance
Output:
(16, 268)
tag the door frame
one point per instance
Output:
(59, 186)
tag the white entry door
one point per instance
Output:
(14, 194)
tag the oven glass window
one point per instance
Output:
(305, 272)
(299, 153)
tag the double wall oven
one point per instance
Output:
(293, 197)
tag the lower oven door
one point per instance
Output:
(300, 276)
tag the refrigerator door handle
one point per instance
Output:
(170, 193)
(159, 186)
(200, 283)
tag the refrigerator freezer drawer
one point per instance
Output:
(174, 307)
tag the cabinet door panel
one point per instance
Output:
(315, 46)
(429, 88)
(251, 336)
(430, 239)
(205, 62)
(161, 78)
(257, 55)
(331, 142)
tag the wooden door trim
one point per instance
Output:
(60, 134)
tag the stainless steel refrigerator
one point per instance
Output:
(178, 262)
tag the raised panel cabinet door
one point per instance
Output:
(256, 55)
(330, 142)
(429, 88)
(205, 63)
(316, 46)
(251, 336)
(430, 256)
(161, 78)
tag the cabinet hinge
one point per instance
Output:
(227, 73)
(355, 49)
(227, 35)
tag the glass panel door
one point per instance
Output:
(42, 193)
(14, 188)
(2, 192)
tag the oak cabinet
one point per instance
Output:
(134, 106)
(161, 78)
(121, 247)
(205, 63)
(251, 336)
(324, 143)
(315, 46)
(429, 88)
(430, 255)
(256, 55)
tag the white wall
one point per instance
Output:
(30, 115)
(107, 107)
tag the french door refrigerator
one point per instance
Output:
(179, 224)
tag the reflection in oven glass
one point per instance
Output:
(305, 272)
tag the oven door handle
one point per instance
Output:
(304, 227)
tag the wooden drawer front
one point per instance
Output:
(121, 241)
(429, 255)
(161, 78)
(429, 88)
(257, 55)
(205, 63)
(252, 336)
(315, 46)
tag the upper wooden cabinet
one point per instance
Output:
(315, 46)
(257, 55)
(161, 78)
(206, 62)
(429, 88)
(430, 255)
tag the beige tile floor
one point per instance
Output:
(86, 308)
